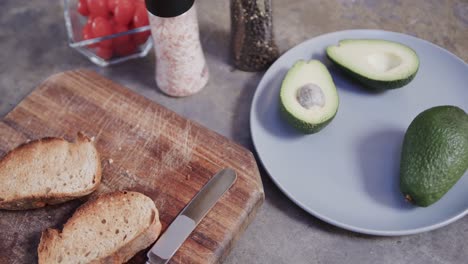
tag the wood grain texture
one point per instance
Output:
(144, 147)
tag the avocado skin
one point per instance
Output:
(303, 127)
(370, 84)
(434, 155)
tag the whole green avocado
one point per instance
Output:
(434, 155)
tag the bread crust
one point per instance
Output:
(122, 254)
(37, 201)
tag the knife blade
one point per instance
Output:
(179, 230)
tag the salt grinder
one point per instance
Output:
(181, 68)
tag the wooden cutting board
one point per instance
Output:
(144, 147)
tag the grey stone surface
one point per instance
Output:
(33, 46)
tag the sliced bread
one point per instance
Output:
(48, 171)
(110, 229)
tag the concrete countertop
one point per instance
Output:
(33, 46)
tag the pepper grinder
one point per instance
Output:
(252, 41)
(181, 68)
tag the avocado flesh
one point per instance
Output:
(308, 96)
(434, 155)
(377, 64)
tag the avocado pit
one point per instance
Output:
(310, 95)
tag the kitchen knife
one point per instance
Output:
(190, 216)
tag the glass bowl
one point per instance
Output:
(75, 22)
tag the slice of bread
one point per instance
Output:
(48, 171)
(110, 229)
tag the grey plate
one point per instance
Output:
(348, 174)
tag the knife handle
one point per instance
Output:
(191, 215)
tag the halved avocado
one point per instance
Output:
(308, 96)
(377, 64)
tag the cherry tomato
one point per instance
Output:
(102, 27)
(83, 8)
(88, 34)
(124, 11)
(105, 53)
(127, 49)
(112, 23)
(123, 40)
(89, 21)
(141, 37)
(98, 8)
(140, 18)
(140, 3)
(111, 4)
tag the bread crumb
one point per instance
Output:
(111, 161)
(187, 177)
(127, 172)
(92, 139)
(28, 140)
(120, 148)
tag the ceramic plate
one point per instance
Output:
(348, 173)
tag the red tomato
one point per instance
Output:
(98, 8)
(102, 27)
(140, 18)
(103, 52)
(89, 21)
(83, 8)
(88, 33)
(141, 37)
(127, 49)
(111, 4)
(123, 40)
(140, 3)
(113, 23)
(124, 11)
